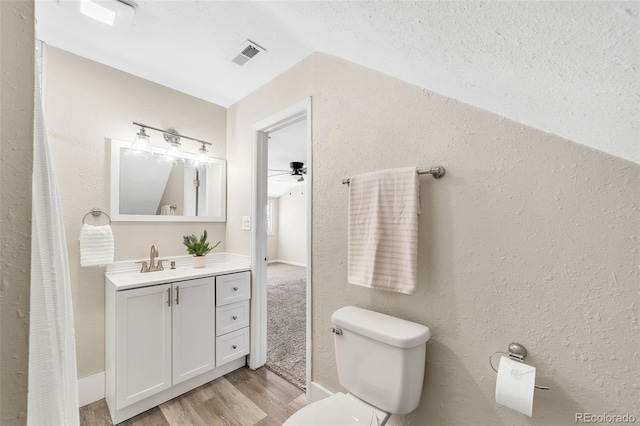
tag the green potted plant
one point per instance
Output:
(198, 248)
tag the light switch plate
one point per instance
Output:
(246, 223)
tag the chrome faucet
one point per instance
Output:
(153, 255)
(152, 261)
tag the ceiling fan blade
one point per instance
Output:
(278, 170)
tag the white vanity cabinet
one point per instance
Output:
(143, 343)
(163, 338)
(193, 328)
(232, 316)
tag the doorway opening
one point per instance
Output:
(287, 251)
(281, 244)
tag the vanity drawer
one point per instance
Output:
(232, 346)
(232, 317)
(233, 288)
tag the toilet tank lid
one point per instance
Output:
(385, 328)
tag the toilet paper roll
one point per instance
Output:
(514, 386)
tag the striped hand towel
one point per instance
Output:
(96, 245)
(383, 230)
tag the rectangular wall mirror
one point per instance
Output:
(143, 190)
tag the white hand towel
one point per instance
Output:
(383, 230)
(165, 210)
(96, 245)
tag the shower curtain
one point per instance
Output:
(53, 383)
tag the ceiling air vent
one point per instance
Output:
(248, 50)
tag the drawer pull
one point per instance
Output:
(234, 347)
(235, 289)
(234, 317)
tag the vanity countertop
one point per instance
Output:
(124, 276)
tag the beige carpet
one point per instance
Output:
(286, 316)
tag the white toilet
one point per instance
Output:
(380, 362)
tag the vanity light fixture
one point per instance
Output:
(173, 154)
(201, 159)
(141, 146)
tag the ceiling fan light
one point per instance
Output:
(296, 166)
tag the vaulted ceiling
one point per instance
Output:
(566, 67)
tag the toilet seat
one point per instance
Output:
(338, 410)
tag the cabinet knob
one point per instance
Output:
(234, 317)
(234, 347)
(235, 289)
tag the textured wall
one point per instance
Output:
(292, 225)
(87, 103)
(529, 237)
(16, 164)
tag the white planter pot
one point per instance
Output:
(199, 261)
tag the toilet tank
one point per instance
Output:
(380, 358)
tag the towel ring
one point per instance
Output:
(96, 212)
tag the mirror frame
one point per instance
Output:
(116, 146)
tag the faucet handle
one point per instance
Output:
(144, 268)
(160, 267)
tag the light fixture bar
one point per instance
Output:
(175, 134)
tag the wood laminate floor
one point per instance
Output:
(241, 398)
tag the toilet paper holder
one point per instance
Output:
(517, 352)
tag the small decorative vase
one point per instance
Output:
(199, 261)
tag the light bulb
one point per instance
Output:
(201, 159)
(141, 146)
(173, 154)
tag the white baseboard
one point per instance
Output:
(288, 262)
(90, 389)
(316, 393)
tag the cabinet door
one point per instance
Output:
(143, 343)
(194, 331)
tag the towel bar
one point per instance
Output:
(437, 173)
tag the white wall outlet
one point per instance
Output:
(246, 223)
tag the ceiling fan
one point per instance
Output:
(297, 169)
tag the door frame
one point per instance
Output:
(261, 129)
